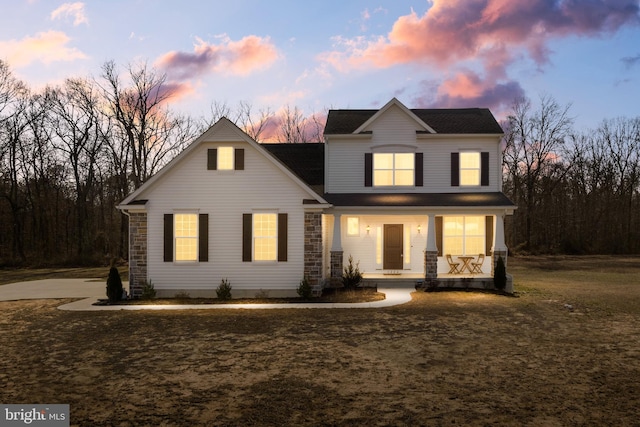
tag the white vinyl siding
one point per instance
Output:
(395, 131)
(262, 187)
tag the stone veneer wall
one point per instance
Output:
(337, 265)
(430, 268)
(313, 247)
(494, 260)
(137, 252)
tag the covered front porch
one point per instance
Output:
(411, 248)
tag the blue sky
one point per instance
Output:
(344, 54)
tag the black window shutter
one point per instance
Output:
(419, 170)
(247, 231)
(368, 169)
(484, 168)
(239, 159)
(439, 234)
(282, 237)
(168, 237)
(212, 159)
(203, 238)
(489, 234)
(455, 169)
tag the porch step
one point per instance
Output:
(391, 283)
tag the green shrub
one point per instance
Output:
(305, 290)
(114, 285)
(148, 290)
(224, 290)
(500, 275)
(351, 277)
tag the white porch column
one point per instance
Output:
(431, 234)
(336, 245)
(498, 240)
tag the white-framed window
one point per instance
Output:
(265, 236)
(393, 169)
(185, 237)
(353, 226)
(464, 235)
(470, 168)
(226, 158)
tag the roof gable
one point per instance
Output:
(440, 120)
(227, 130)
(393, 103)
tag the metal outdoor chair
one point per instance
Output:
(476, 266)
(454, 267)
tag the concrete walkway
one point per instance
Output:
(90, 292)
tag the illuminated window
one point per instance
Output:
(353, 226)
(186, 237)
(469, 168)
(464, 235)
(225, 158)
(393, 169)
(265, 237)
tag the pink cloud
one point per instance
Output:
(468, 89)
(45, 47)
(241, 57)
(454, 30)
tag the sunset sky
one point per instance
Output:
(344, 54)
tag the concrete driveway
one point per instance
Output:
(53, 288)
(89, 291)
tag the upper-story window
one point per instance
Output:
(393, 169)
(469, 168)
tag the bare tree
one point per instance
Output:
(151, 132)
(80, 139)
(242, 115)
(533, 150)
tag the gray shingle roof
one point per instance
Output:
(445, 121)
(419, 199)
(305, 160)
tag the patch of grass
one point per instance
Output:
(13, 275)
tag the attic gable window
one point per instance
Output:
(393, 169)
(225, 158)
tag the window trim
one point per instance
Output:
(356, 225)
(464, 234)
(254, 238)
(478, 169)
(393, 170)
(196, 238)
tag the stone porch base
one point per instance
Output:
(467, 282)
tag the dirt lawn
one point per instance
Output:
(566, 352)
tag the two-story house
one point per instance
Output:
(412, 194)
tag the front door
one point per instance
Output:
(393, 244)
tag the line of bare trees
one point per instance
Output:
(578, 192)
(69, 154)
